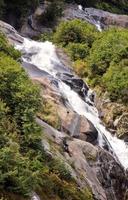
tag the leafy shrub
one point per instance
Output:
(107, 48)
(81, 68)
(46, 37)
(8, 49)
(116, 81)
(61, 170)
(75, 31)
(77, 51)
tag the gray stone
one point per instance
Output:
(10, 32)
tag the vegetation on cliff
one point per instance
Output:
(102, 58)
(24, 164)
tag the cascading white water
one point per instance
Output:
(43, 56)
(35, 196)
(92, 20)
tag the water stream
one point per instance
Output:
(43, 56)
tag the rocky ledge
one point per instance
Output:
(33, 26)
(10, 33)
(95, 16)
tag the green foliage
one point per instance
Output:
(61, 170)
(108, 58)
(46, 37)
(77, 51)
(111, 46)
(75, 31)
(18, 129)
(81, 68)
(96, 55)
(65, 190)
(8, 49)
(116, 81)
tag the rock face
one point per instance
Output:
(69, 122)
(33, 26)
(75, 83)
(95, 16)
(101, 167)
(11, 33)
(89, 165)
(114, 115)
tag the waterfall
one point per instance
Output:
(90, 18)
(35, 196)
(43, 55)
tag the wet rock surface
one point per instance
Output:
(69, 122)
(75, 83)
(111, 176)
(89, 165)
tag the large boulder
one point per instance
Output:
(90, 166)
(77, 126)
(11, 33)
(106, 177)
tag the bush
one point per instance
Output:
(8, 49)
(46, 37)
(77, 51)
(81, 68)
(111, 46)
(75, 31)
(116, 81)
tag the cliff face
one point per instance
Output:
(34, 26)
(68, 136)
